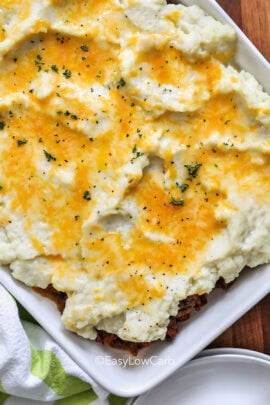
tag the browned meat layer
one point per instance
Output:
(109, 339)
(58, 297)
(186, 307)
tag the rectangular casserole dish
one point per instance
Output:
(160, 359)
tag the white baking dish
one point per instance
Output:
(161, 359)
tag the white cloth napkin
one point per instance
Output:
(34, 367)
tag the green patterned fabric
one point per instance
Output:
(46, 366)
(3, 398)
(84, 398)
(115, 400)
(37, 369)
(3, 395)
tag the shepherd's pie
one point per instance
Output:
(134, 159)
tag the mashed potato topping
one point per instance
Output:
(134, 158)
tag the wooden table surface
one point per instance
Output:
(252, 331)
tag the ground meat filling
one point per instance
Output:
(111, 340)
(186, 307)
(58, 297)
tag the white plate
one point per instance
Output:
(230, 350)
(220, 379)
(162, 359)
(224, 351)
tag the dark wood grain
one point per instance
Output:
(234, 9)
(265, 308)
(253, 16)
(255, 21)
(252, 331)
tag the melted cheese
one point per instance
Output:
(129, 156)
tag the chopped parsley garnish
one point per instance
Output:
(136, 153)
(48, 156)
(68, 114)
(178, 203)
(193, 170)
(55, 68)
(2, 125)
(21, 142)
(87, 195)
(39, 63)
(67, 73)
(121, 83)
(183, 187)
(1, 187)
(84, 48)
